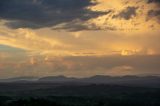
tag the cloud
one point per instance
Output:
(127, 13)
(78, 25)
(82, 66)
(85, 43)
(153, 14)
(29, 41)
(156, 2)
(47, 13)
(153, 1)
(78, 15)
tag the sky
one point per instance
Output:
(79, 38)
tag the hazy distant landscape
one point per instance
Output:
(92, 91)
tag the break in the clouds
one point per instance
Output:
(47, 13)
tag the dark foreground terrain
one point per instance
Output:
(73, 94)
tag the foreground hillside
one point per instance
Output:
(73, 94)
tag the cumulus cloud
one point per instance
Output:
(47, 13)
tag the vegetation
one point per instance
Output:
(78, 101)
(49, 94)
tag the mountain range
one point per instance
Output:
(143, 81)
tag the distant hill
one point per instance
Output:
(150, 81)
(142, 81)
(19, 79)
(56, 79)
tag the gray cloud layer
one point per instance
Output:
(46, 13)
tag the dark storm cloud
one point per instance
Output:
(46, 13)
(77, 25)
(154, 14)
(127, 14)
(153, 1)
(157, 2)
